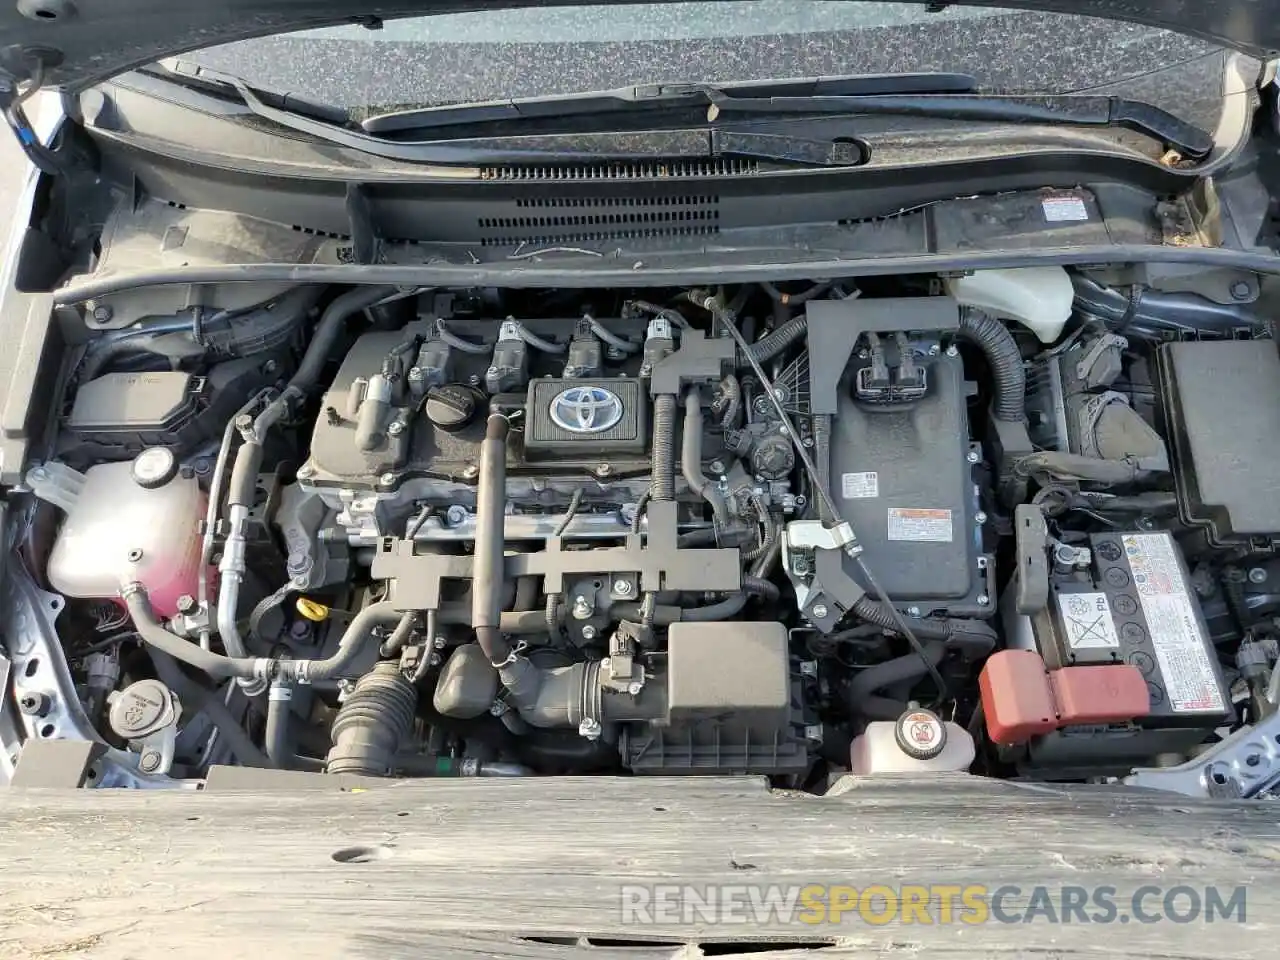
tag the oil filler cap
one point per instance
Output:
(451, 407)
(154, 467)
(920, 733)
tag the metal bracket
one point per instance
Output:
(1031, 536)
(1244, 765)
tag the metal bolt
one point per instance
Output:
(973, 456)
(582, 608)
(149, 762)
(471, 471)
(491, 372)
(622, 588)
(589, 728)
(244, 422)
(604, 469)
(415, 373)
(1240, 290)
(801, 499)
(134, 555)
(980, 518)
(634, 687)
(819, 611)
(102, 314)
(716, 466)
(953, 351)
(270, 367)
(305, 471)
(983, 600)
(475, 379)
(35, 704)
(388, 479)
(807, 441)
(762, 405)
(779, 393)
(1257, 575)
(434, 659)
(395, 428)
(813, 732)
(588, 632)
(186, 604)
(498, 708)
(808, 668)
(455, 515)
(913, 612)
(934, 349)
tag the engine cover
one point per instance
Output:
(572, 418)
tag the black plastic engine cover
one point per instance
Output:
(570, 418)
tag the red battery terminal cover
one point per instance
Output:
(1021, 698)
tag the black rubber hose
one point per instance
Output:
(521, 621)
(995, 340)
(909, 667)
(691, 458)
(329, 329)
(155, 635)
(763, 589)
(662, 466)
(394, 645)
(276, 738)
(664, 616)
(243, 486)
(353, 641)
(488, 569)
(200, 699)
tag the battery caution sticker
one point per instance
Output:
(920, 526)
(1180, 646)
(1086, 619)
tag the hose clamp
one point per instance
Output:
(513, 656)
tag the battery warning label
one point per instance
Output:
(1086, 618)
(1180, 646)
(921, 526)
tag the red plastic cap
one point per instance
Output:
(1017, 700)
(1021, 699)
(1101, 694)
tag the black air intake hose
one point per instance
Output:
(373, 723)
(663, 461)
(488, 571)
(995, 340)
(691, 458)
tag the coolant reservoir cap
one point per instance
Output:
(920, 733)
(451, 406)
(154, 467)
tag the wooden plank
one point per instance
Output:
(465, 868)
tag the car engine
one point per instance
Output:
(883, 525)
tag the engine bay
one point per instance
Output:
(1006, 522)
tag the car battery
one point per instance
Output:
(1131, 602)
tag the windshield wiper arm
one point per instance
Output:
(658, 95)
(322, 123)
(1068, 109)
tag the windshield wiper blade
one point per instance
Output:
(1067, 109)
(321, 123)
(658, 95)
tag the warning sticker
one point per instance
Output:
(860, 486)
(1086, 617)
(928, 526)
(1064, 209)
(1180, 645)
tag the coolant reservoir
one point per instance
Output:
(131, 521)
(917, 742)
(1039, 298)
